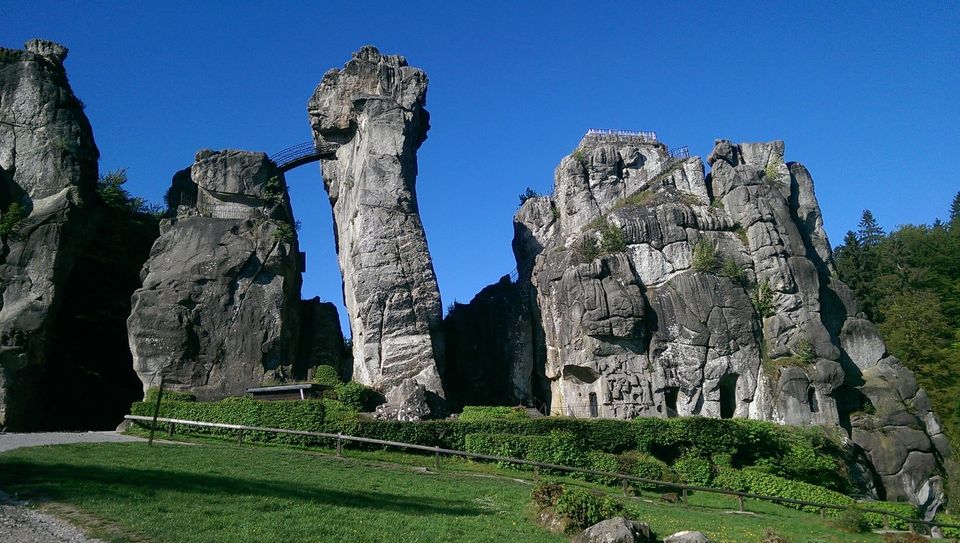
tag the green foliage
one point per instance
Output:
(805, 352)
(852, 520)
(589, 248)
(111, 191)
(359, 397)
(547, 494)
(762, 298)
(527, 194)
(705, 257)
(877, 520)
(772, 171)
(326, 375)
(644, 466)
(168, 396)
(611, 240)
(947, 518)
(637, 199)
(601, 461)
(273, 189)
(284, 232)
(585, 509)
(579, 156)
(767, 484)
(733, 271)
(741, 233)
(305, 415)
(908, 284)
(10, 220)
(693, 469)
(480, 413)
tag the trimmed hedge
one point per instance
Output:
(949, 519)
(758, 482)
(480, 413)
(326, 375)
(802, 454)
(694, 469)
(875, 520)
(168, 396)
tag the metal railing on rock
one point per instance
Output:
(339, 439)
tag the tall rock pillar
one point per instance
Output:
(370, 118)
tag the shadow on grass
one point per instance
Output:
(65, 482)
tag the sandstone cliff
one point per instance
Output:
(370, 118)
(48, 170)
(218, 311)
(662, 292)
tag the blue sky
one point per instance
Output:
(865, 94)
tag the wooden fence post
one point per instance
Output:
(740, 502)
(240, 438)
(436, 458)
(339, 445)
(536, 475)
(156, 413)
(685, 497)
(625, 487)
(170, 430)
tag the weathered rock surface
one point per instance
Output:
(616, 530)
(686, 537)
(321, 341)
(370, 117)
(219, 308)
(48, 167)
(491, 344)
(664, 292)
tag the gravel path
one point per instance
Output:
(19, 523)
(8, 442)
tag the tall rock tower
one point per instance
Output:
(370, 117)
(48, 173)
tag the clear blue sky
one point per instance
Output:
(864, 93)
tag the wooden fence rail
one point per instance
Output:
(437, 451)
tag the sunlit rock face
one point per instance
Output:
(369, 117)
(219, 309)
(662, 292)
(48, 169)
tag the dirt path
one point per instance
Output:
(21, 524)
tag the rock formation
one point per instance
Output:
(370, 119)
(219, 308)
(48, 170)
(662, 292)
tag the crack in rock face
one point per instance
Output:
(369, 119)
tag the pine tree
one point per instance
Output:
(870, 233)
(955, 211)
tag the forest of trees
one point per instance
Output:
(908, 283)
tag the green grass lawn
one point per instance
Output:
(220, 492)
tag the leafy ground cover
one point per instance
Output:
(220, 492)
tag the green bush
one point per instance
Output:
(947, 518)
(480, 413)
(508, 445)
(762, 298)
(601, 461)
(304, 415)
(802, 454)
(876, 520)
(10, 220)
(359, 397)
(693, 469)
(547, 494)
(767, 484)
(168, 396)
(326, 375)
(705, 257)
(852, 520)
(585, 509)
(646, 467)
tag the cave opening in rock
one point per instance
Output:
(670, 398)
(812, 400)
(728, 395)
